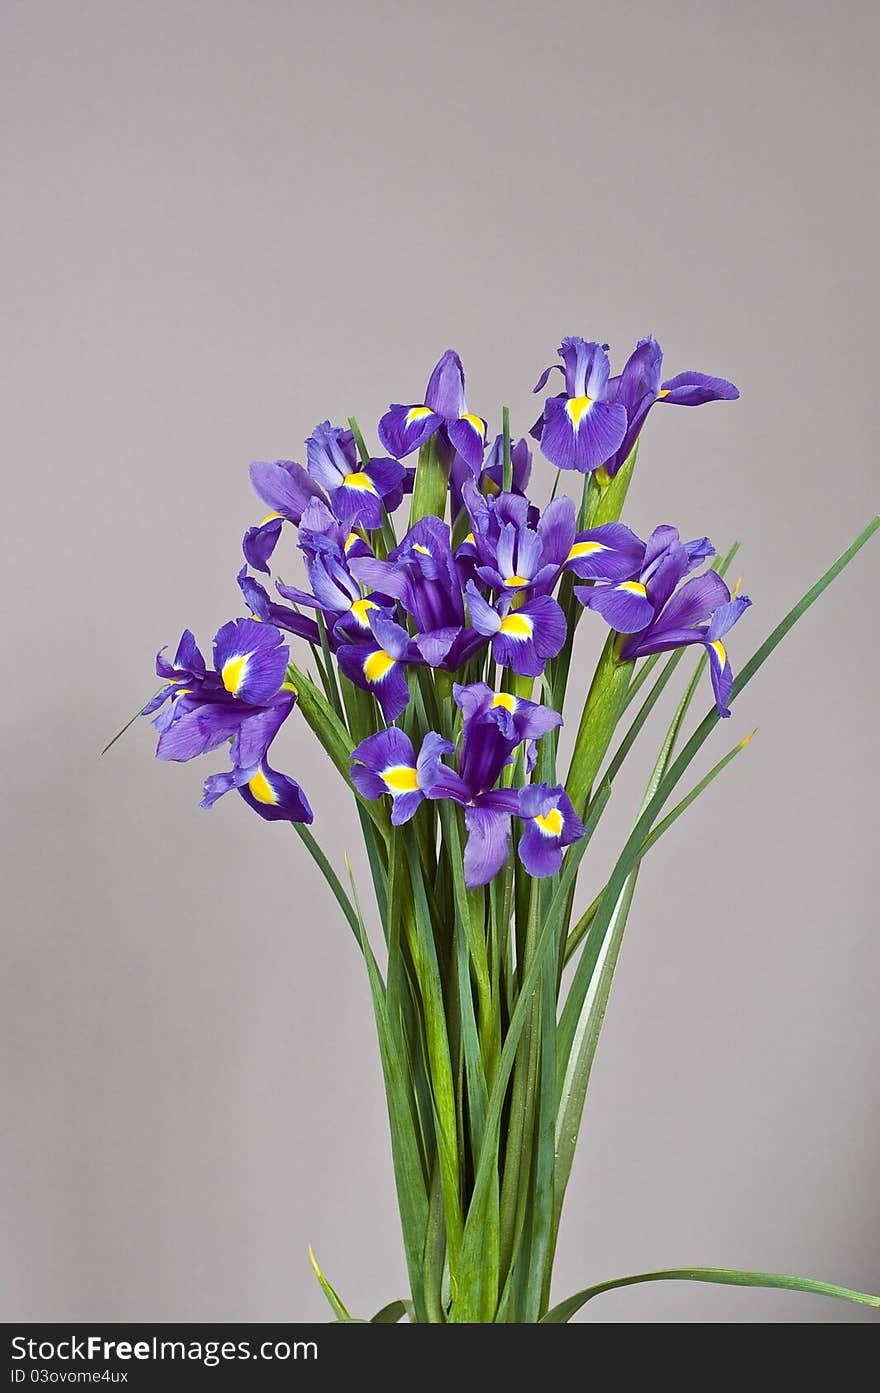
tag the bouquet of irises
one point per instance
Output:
(434, 626)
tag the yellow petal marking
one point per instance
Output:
(664, 392)
(632, 587)
(471, 538)
(417, 546)
(550, 823)
(518, 626)
(418, 413)
(475, 422)
(585, 549)
(359, 609)
(377, 666)
(577, 408)
(720, 653)
(270, 517)
(359, 480)
(507, 700)
(516, 582)
(400, 778)
(233, 672)
(350, 541)
(261, 788)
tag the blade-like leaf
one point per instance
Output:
(390, 1314)
(331, 1294)
(722, 1276)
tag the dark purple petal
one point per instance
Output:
(467, 434)
(695, 388)
(610, 552)
(581, 435)
(625, 607)
(259, 543)
(387, 476)
(251, 659)
(276, 797)
(405, 428)
(586, 368)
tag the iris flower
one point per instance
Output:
(523, 639)
(356, 491)
(639, 386)
(580, 428)
(378, 663)
(276, 797)
(657, 617)
(405, 428)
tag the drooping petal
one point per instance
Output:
(580, 433)
(610, 552)
(199, 728)
(695, 388)
(435, 778)
(551, 824)
(276, 797)
(487, 846)
(259, 543)
(625, 606)
(468, 435)
(406, 428)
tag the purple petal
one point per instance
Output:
(251, 659)
(695, 602)
(468, 436)
(284, 487)
(445, 390)
(259, 543)
(625, 607)
(487, 846)
(405, 428)
(581, 437)
(695, 388)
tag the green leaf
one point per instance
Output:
(722, 1276)
(390, 1314)
(332, 879)
(409, 1173)
(332, 1296)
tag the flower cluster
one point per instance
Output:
(489, 595)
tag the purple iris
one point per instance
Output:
(495, 723)
(287, 490)
(405, 428)
(580, 428)
(263, 607)
(490, 479)
(386, 763)
(639, 386)
(242, 702)
(356, 491)
(515, 558)
(276, 797)
(378, 663)
(551, 824)
(523, 639)
(206, 708)
(421, 574)
(656, 616)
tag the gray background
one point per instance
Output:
(224, 223)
